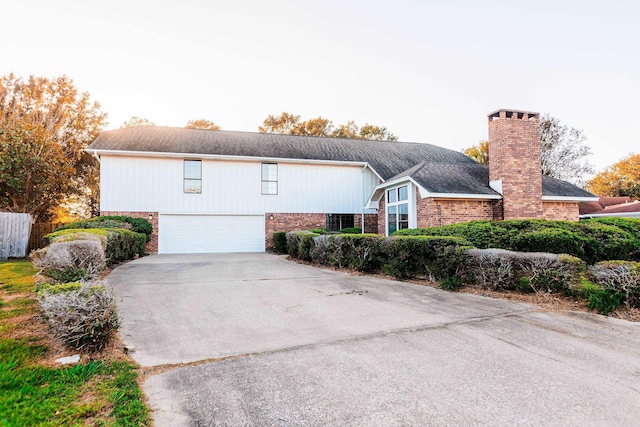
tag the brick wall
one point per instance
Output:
(382, 213)
(291, 221)
(432, 212)
(560, 211)
(370, 222)
(514, 158)
(151, 246)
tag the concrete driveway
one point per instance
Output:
(254, 339)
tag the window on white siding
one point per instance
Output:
(193, 176)
(269, 178)
(397, 209)
(336, 222)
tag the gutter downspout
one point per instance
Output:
(362, 199)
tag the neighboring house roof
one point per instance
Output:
(603, 202)
(438, 170)
(386, 158)
(627, 208)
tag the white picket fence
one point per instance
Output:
(15, 229)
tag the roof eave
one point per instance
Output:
(569, 199)
(125, 153)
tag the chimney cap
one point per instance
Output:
(496, 113)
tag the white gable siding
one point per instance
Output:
(156, 184)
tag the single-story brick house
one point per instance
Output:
(223, 191)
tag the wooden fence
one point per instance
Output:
(38, 231)
(14, 234)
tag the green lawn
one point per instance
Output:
(100, 393)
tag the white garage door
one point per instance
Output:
(188, 234)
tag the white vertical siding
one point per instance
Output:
(156, 184)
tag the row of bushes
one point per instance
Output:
(592, 240)
(80, 311)
(454, 262)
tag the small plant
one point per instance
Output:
(451, 283)
(605, 300)
(84, 319)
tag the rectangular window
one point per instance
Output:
(397, 209)
(270, 178)
(193, 176)
(336, 222)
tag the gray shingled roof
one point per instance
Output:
(386, 158)
(437, 169)
(474, 179)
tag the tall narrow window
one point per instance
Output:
(397, 209)
(193, 176)
(269, 178)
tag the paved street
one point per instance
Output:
(271, 342)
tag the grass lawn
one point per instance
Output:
(35, 392)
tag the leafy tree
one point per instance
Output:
(620, 179)
(202, 124)
(45, 124)
(377, 133)
(479, 153)
(563, 151)
(136, 121)
(283, 124)
(290, 124)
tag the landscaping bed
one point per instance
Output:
(593, 265)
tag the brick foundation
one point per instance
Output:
(291, 221)
(560, 211)
(151, 246)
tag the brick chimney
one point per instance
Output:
(514, 162)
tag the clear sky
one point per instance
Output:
(428, 70)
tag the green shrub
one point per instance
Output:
(452, 283)
(363, 252)
(592, 241)
(351, 230)
(119, 244)
(630, 225)
(552, 240)
(319, 231)
(432, 256)
(604, 300)
(280, 241)
(138, 225)
(299, 244)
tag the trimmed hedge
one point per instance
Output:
(592, 240)
(119, 244)
(402, 257)
(499, 269)
(434, 256)
(362, 252)
(280, 241)
(138, 225)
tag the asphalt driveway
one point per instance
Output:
(266, 341)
